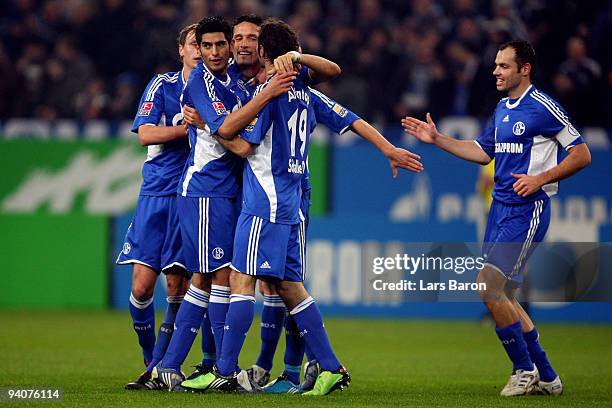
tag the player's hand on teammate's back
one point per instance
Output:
(404, 159)
(280, 84)
(525, 184)
(192, 117)
(424, 131)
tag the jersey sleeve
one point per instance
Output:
(330, 113)
(486, 140)
(203, 95)
(151, 105)
(556, 124)
(255, 131)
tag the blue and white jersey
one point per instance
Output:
(524, 137)
(210, 170)
(242, 87)
(330, 113)
(160, 106)
(273, 172)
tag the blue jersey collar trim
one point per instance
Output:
(518, 101)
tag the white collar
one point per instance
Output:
(516, 103)
(227, 80)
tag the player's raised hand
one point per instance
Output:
(192, 117)
(404, 159)
(280, 84)
(525, 184)
(424, 131)
(286, 63)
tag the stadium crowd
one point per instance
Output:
(90, 59)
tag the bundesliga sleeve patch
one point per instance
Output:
(145, 109)
(340, 110)
(251, 125)
(219, 107)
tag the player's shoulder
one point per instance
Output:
(167, 77)
(543, 101)
(158, 82)
(233, 70)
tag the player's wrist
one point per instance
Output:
(296, 57)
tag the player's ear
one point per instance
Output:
(526, 68)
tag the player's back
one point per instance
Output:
(160, 106)
(273, 174)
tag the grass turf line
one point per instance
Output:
(91, 355)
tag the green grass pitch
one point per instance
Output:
(91, 355)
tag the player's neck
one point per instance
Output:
(519, 90)
(186, 71)
(268, 66)
(250, 71)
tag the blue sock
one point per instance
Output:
(237, 323)
(310, 323)
(538, 356)
(208, 342)
(272, 319)
(513, 341)
(143, 318)
(165, 330)
(217, 310)
(186, 327)
(294, 350)
(309, 354)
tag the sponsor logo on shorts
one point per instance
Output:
(265, 265)
(218, 253)
(127, 248)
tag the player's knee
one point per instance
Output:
(175, 284)
(202, 281)
(266, 288)
(241, 283)
(142, 290)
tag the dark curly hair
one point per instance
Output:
(213, 25)
(277, 38)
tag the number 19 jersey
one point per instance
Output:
(273, 173)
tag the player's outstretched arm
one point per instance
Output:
(397, 157)
(238, 146)
(577, 159)
(236, 121)
(149, 134)
(319, 69)
(427, 132)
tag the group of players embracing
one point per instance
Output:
(226, 193)
(224, 203)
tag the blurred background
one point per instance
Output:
(72, 72)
